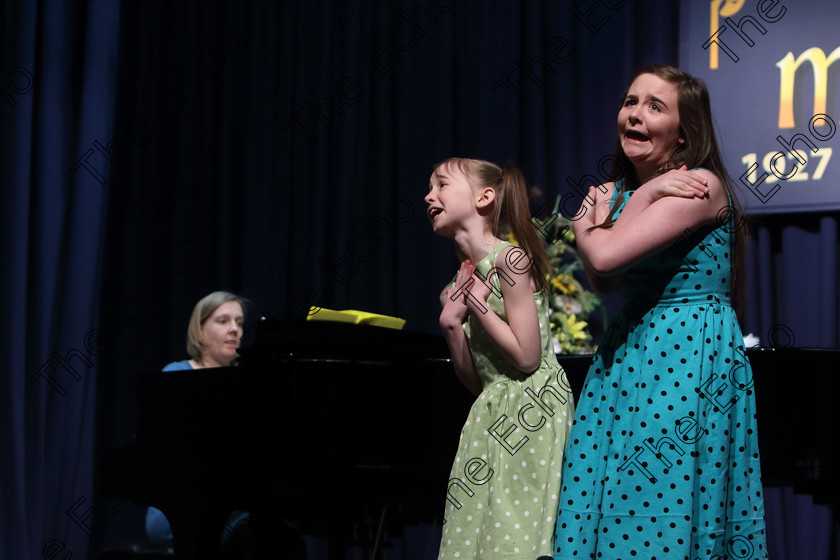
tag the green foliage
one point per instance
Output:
(571, 305)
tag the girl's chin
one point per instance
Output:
(642, 162)
(635, 153)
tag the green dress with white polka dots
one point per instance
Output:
(503, 489)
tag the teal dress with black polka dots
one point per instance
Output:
(662, 461)
(505, 482)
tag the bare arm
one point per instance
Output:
(675, 183)
(597, 214)
(518, 340)
(648, 224)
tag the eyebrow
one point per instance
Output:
(654, 98)
(649, 98)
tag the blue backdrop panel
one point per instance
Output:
(770, 68)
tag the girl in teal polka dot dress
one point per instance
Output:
(663, 460)
(503, 489)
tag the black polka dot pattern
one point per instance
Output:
(662, 460)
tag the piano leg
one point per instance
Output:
(197, 533)
(271, 538)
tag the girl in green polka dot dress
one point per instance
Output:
(503, 489)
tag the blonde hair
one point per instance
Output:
(510, 208)
(205, 307)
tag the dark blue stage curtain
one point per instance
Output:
(793, 274)
(57, 84)
(282, 149)
(792, 300)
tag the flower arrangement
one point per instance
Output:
(570, 304)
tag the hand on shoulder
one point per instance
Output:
(680, 182)
(595, 206)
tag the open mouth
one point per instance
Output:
(433, 212)
(637, 136)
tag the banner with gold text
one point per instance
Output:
(770, 69)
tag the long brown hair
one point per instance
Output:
(700, 149)
(510, 208)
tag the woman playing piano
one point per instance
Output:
(504, 484)
(213, 335)
(214, 332)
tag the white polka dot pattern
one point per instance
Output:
(506, 470)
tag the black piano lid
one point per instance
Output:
(274, 339)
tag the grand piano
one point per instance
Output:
(337, 427)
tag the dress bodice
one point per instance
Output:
(491, 365)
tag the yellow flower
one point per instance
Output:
(561, 282)
(568, 297)
(576, 328)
